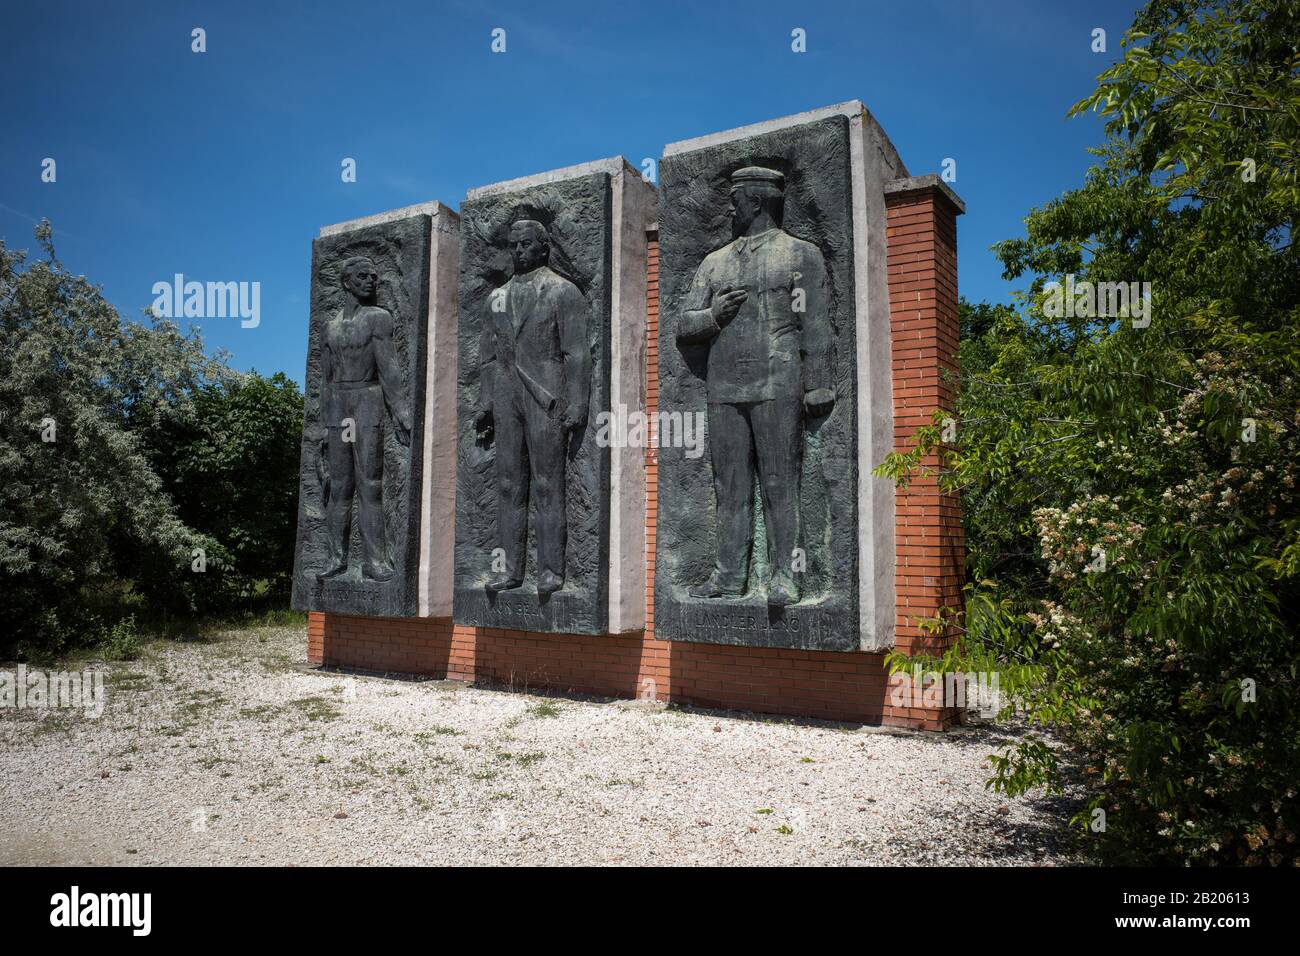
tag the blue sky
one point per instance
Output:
(223, 165)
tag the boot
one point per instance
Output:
(548, 582)
(715, 587)
(781, 590)
(333, 571)
(503, 581)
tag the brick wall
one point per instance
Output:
(921, 226)
(835, 686)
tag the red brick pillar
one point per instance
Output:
(930, 546)
(315, 637)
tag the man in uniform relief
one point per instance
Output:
(760, 306)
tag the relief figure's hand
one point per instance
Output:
(402, 426)
(726, 304)
(819, 401)
(575, 418)
(484, 426)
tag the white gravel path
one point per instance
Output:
(232, 751)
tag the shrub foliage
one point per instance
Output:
(1131, 490)
(126, 451)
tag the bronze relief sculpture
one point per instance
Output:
(533, 482)
(363, 449)
(534, 393)
(360, 381)
(758, 540)
(759, 305)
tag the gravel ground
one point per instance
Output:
(233, 751)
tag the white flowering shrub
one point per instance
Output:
(1130, 493)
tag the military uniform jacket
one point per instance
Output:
(540, 322)
(769, 350)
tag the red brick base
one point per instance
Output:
(922, 236)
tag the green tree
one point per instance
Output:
(129, 457)
(232, 470)
(1131, 488)
(79, 389)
